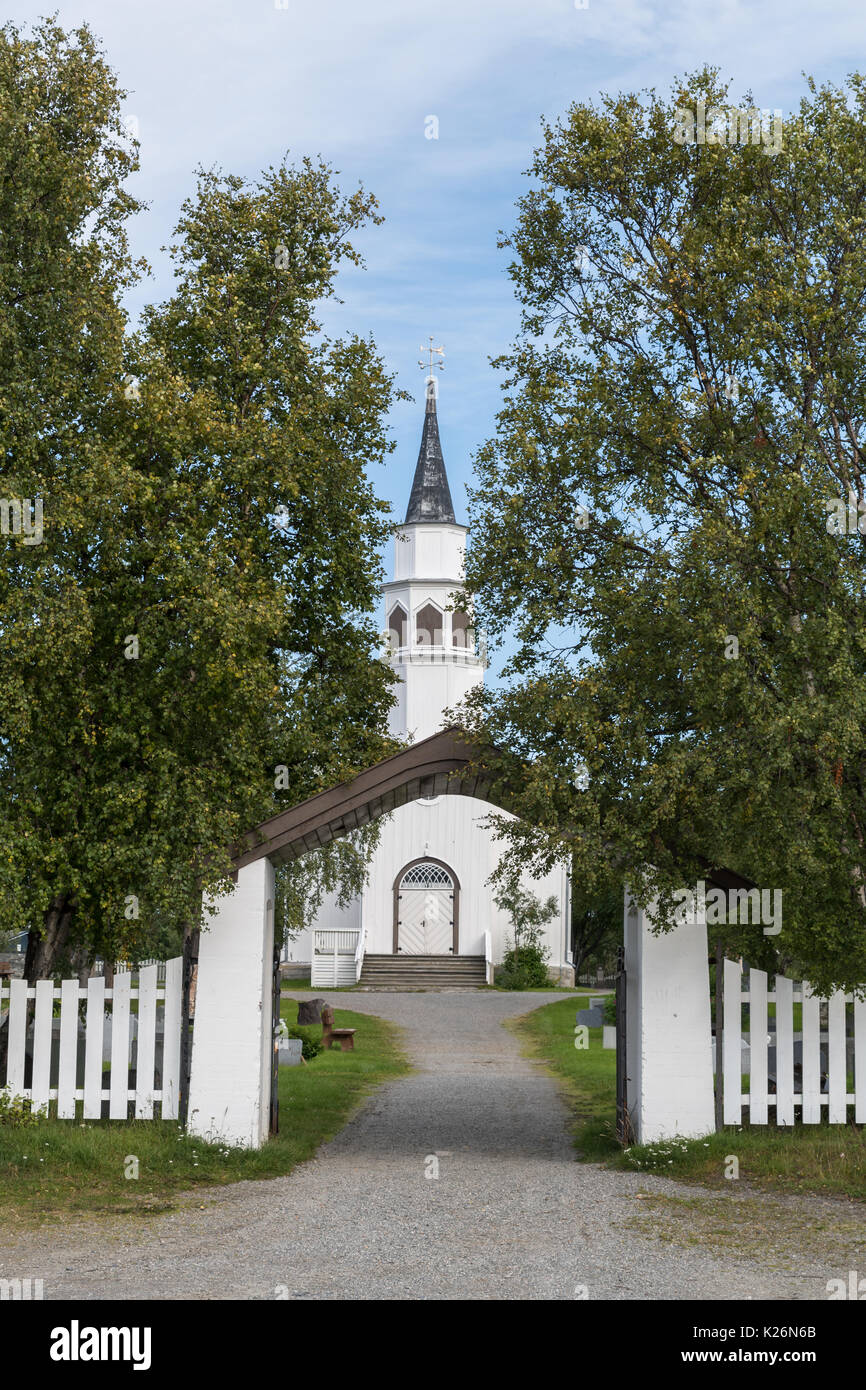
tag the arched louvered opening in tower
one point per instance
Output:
(461, 630)
(428, 626)
(397, 621)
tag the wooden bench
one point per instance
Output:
(344, 1036)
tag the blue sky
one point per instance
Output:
(238, 82)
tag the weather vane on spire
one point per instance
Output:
(430, 380)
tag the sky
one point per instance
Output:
(238, 83)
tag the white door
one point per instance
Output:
(425, 912)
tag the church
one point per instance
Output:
(426, 916)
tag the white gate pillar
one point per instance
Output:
(232, 1048)
(668, 1033)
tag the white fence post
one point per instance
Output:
(145, 1055)
(68, 1063)
(811, 1108)
(732, 1046)
(93, 1047)
(758, 1027)
(171, 1038)
(784, 1050)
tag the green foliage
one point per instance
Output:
(596, 927)
(609, 1008)
(301, 885)
(524, 967)
(691, 370)
(524, 964)
(312, 1044)
(205, 494)
(17, 1111)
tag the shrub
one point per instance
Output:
(524, 965)
(311, 1045)
(17, 1111)
(609, 1008)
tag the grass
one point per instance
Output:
(824, 1159)
(59, 1167)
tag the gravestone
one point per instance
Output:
(592, 1018)
(310, 1011)
(290, 1052)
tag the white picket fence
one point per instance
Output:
(804, 1068)
(65, 1060)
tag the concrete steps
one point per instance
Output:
(423, 972)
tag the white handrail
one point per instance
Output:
(488, 957)
(359, 951)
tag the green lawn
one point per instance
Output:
(60, 1166)
(825, 1159)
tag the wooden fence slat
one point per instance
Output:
(860, 1061)
(119, 1085)
(171, 1038)
(732, 1051)
(811, 1112)
(784, 1051)
(67, 1069)
(17, 1036)
(42, 1044)
(758, 1047)
(837, 1081)
(93, 1047)
(146, 1051)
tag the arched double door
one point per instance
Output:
(426, 909)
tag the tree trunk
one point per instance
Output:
(45, 943)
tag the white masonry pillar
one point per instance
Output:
(232, 1049)
(668, 1034)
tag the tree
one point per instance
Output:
(525, 961)
(596, 928)
(654, 519)
(192, 645)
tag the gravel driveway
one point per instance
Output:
(511, 1214)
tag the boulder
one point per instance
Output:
(310, 1011)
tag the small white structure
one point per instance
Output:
(427, 893)
(669, 1063)
(232, 1055)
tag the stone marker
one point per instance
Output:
(290, 1052)
(310, 1010)
(593, 1018)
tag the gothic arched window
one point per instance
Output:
(397, 620)
(428, 626)
(461, 629)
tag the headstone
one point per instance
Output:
(608, 1035)
(290, 1052)
(592, 1018)
(310, 1010)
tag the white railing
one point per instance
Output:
(61, 1059)
(359, 951)
(334, 955)
(426, 651)
(488, 957)
(807, 1068)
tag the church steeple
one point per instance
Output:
(430, 499)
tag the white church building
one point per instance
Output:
(426, 915)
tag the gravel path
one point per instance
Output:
(511, 1214)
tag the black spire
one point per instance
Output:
(431, 496)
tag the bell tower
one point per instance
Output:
(431, 645)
